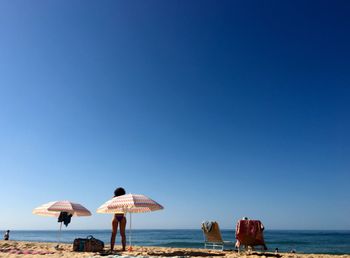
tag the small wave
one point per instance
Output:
(289, 243)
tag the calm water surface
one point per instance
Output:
(330, 242)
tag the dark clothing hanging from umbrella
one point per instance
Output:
(65, 217)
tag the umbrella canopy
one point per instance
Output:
(132, 203)
(53, 209)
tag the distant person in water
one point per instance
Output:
(7, 235)
(118, 220)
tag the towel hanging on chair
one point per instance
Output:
(207, 226)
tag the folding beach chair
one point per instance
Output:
(212, 235)
(250, 234)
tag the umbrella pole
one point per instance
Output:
(130, 233)
(59, 235)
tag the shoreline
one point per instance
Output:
(12, 249)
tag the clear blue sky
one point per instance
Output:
(215, 109)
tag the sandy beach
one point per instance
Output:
(13, 249)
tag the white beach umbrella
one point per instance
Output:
(53, 209)
(130, 203)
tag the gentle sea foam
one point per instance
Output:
(303, 241)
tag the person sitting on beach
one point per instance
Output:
(118, 219)
(7, 235)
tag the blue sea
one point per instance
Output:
(302, 241)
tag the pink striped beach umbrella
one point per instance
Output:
(53, 209)
(130, 203)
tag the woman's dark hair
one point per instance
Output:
(119, 191)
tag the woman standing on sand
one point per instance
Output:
(118, 219)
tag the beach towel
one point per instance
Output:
(249, 232)
(207, 226)
(128, 256)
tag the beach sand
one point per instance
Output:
(13, 249)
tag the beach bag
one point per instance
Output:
(88, 244)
